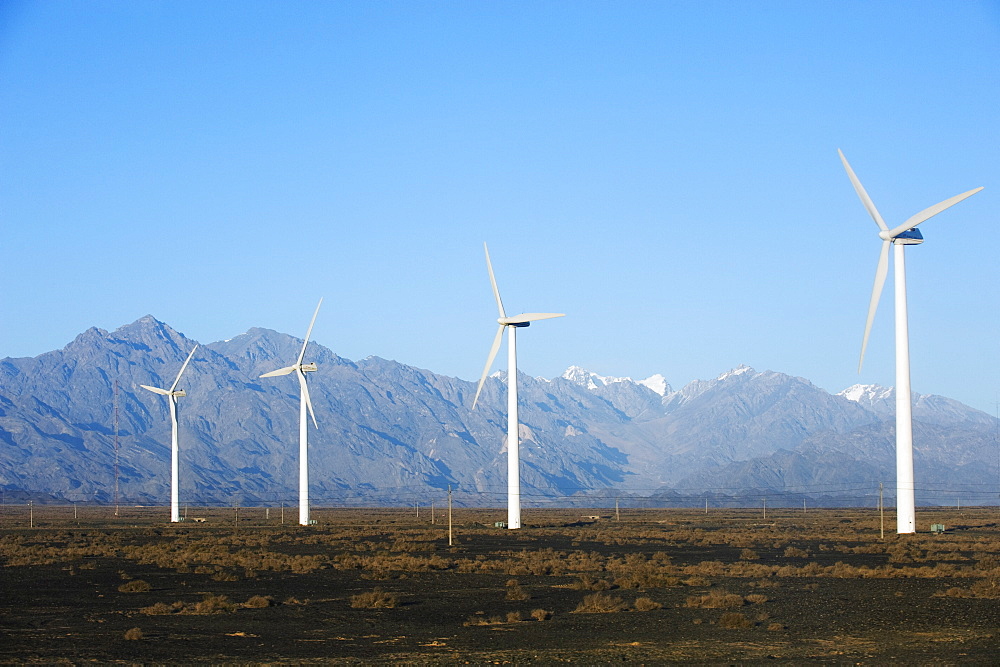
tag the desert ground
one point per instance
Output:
(379, 586)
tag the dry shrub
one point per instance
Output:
(515, 591)
(162, 608)
(259, 602)
(135, 586)
(599, 603)
(646, 604)
(734, 621)
(773, 627)
(756, 598)
(222, 575)
(376, 599)
(514, 617)
(292, 600)
(749, 554)
(213, 604)
(476, 619)
(795, 552)
(695, 582)
(541, 615)
(588, 583)
(715, 600)
(133, 634)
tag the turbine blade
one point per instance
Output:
(281, 371)
(531, 317)
(183, 366)
(880, 273)
(489, 362)
(304, 386)
(305, 342)
(865, 199)
(931, 211)
(493, 282)
(155, 390)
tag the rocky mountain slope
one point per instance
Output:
(391, 433)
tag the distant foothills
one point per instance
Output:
(391, 434)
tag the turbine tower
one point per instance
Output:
(898, 237)
(172, 395)
(513, 449)
(300, 369)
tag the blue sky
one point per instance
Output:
(665, 173)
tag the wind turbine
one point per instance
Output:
(300, 369)
(898, 237)
(173, 394)
(513, 449)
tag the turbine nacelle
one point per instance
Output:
(908, 237)
(525, 319)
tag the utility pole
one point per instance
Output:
(617, 515)
(449, 515)
(31, 514)
(765, 508)
(881, 514)
(432, 514)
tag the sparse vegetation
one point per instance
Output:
(734, 621)
(135, 586)
(376, 599)
(599, 603)
(699, 575)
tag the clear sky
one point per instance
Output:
(665, 173)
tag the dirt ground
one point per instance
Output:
(655, 586)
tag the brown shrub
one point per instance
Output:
(599, 603)
(133, 634)
(259, 602)
(715, 600)
(135, 586)
(755, 598)
(589, 583)
(795, 552)
(213, 604)
(734, 621)
(541, 615)
(376, 599)
(514, 617)
(159, 609)
(749, 554)
(515, 592)
(646, 604)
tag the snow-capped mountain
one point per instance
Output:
(590, 380)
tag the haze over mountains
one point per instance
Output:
(391, 433)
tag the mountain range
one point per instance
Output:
(394, 434)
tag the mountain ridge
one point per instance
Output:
(390, 432)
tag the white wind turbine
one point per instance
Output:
(513, 448)
(899, 237)
(172, 395)
(300, 369)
